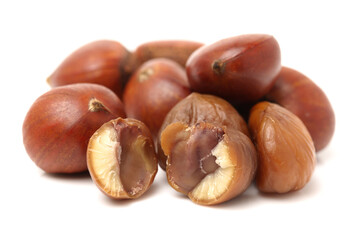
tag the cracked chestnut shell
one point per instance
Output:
(103, 62)
(197, 108)
(301, 96)
(176, 50)
(286, 152)
(239, 69)
(59, 124)
(121, 158)
(208, 163)
(153, 90)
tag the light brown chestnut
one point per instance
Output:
(59, 124)
(301, 96)
(103, 62)
(239, 69)
(197, 108)
(286, 152)
(153, 90)
(121, 158)
(176, 50)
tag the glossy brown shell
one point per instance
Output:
(239, 69)
(301, 96)
(59, 124)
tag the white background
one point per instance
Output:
(319, 38)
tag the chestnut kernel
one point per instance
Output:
(153, 90)
(176, 50)
(208, 163)
(239, 69)
(103, 62)
(59, 124)
(301, 96)
(286, 152)
(197, 108)
(121, 158)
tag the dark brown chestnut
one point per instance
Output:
(153, 90)
(239, 69)
(103, 62)
(301, 96)
(59, 124)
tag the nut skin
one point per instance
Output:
(127, 130)
(59, 124)
(176, 50)
(153, 90)
(241, 152)
(286, 152)
(103, 62)
(239, 69)
(300, 95)
(197, 108)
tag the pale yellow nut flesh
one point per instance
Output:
(106, 166)
(214, 185)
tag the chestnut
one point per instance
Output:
(121, 158)
(103, 62)
(208, 156)
(286, 152)
(153, 90)
(239, 69)
(59, 124)
(176, 50)
(301, 96)
(197, 108)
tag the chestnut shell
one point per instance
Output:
(59, 124)
(301, 96)
(103, 62)
(239, 69)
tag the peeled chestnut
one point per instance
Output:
(286, 152)
(197, 108)
(104, 62)
(59, 124)
(239, 69)
(301, 96)
(121, 158)
(153, 90)
(208, 156)
(176, 50)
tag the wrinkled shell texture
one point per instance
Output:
(285, 149)
(197, 108)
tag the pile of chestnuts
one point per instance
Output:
(215, 117)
